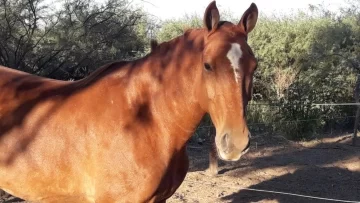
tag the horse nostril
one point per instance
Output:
(225, 141)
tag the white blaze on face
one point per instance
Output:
(234, 55)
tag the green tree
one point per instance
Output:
(69, 42)
(303, 59)
(172, 28)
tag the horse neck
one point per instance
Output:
(177, 103)
(163, 88)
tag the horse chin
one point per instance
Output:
(232, 156)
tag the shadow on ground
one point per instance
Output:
(328, 169)
(327, 182)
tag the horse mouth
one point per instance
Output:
(224, 154)
(245, 151)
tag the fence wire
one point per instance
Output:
(276, 118)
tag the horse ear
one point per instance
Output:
(249, 18)
(211, 17)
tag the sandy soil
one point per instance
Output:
(327, 168)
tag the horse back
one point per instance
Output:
(33, 111)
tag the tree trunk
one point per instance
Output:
(213, 162)
(356, 97)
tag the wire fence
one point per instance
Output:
(305, 197)
(284, 121)
(336, 121)
(295, 120)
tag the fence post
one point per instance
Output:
(356, 125)
(356, 97)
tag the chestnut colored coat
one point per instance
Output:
(119, 135)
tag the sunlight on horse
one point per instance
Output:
(120, 134)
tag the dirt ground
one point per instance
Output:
(326, 168)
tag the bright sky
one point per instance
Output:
(165, 9)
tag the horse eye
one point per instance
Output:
(207, 67)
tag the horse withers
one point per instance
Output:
(119, 135)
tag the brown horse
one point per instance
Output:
(119, 135)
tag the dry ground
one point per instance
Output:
(328, 168)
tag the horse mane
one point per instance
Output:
(94, 75)
(164, 47)
(155, 47)
(153, 44)
(97, 72)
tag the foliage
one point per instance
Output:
(68, 42)
(175, 27)
(303, 59)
